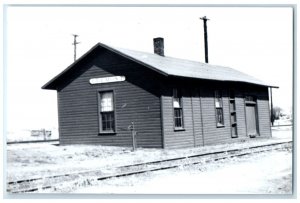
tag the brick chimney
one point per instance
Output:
(159, 46)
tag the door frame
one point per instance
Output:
(250, 103)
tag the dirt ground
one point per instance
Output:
(40, 160)
(266, 173)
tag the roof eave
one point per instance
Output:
(260, 84)
(51, 85)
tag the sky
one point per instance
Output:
(256, 41)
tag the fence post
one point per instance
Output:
(133, 134)
(44, 133)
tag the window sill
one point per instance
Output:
(250, 102)
(220, 126)
(107, 133)
(179, 129)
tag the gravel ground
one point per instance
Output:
(39, 160)
(265, 173)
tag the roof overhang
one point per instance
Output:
(52, 84)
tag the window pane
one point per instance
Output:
(178, 123)
(103, 119)
(218, 99)
(107, 102)
(178, 118)
(176, 102)
(107, 119)
(220, 116)
(176, 99)
(219, 107)
(218, 103)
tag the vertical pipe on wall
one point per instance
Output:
(162, 122)
(272, 113)
(269, 114)
(193, 119)
(201, 117)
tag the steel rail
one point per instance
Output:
(228, 154)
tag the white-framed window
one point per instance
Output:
(177, 105)
(107, 114)
(219, 108)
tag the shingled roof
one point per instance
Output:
(170, 66)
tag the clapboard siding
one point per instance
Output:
(191, 136)
(196, 113)
(240, 113)
(262, 107)
(263, 113)
(136, 100)
(200, 113)
(177, 139)
(212, 133)
(146, 99)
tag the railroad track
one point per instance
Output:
(55, 182)
(33, 141)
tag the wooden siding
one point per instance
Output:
(137, 99)
(146, 99)
(263, 109)
(197, 119)
(191, 136)
(240, 113)
(177, 139)
(200, 113)
(212, 133)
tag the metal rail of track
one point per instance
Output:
(139, 168)
(32, 141)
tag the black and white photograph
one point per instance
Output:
(148, 100)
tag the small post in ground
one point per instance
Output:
(44, 133)
(133, 134)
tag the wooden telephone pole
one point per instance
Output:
(75, 43)
(205, 37)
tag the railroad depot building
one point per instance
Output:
(173, 102)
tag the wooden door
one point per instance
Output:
(251, 120)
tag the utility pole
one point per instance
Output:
(205, 37)
(75, 43)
